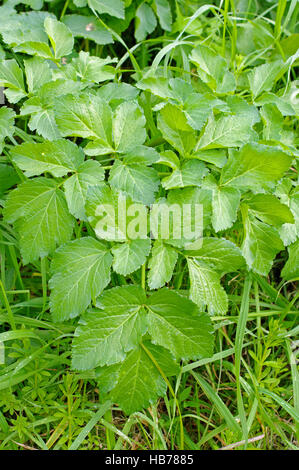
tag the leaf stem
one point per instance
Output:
(9, 310)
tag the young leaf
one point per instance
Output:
(213, 70)
(81, 270)
(39, 49)
(92, 69)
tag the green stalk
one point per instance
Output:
(9, 310)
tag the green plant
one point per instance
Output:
(209, 123)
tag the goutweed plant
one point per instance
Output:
(200, 122)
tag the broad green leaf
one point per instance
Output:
(213, 70)
(128, 127)
(60, 36)
(196, 198)
(219, 253)
(51, 92)
(8, 178)
(58, 157)
(170, 159)
(191, 173)
(106, 210)
(282, 104)
(175, 129)
(157, 85)
(117, 92)
(136, 180)
(108, 333)
(205, 287)
(291, 268)
(92, 69)
(240, 107)
(163, 12)
(139, 383)
(255, 166)
(216, 157)
(80, 272)
(107, 377)
(161, 264)
(25, 26)
(37, 73)
(273, 122)
(130, 256)
(263, 77)
(11, 77)
(289, 196)
(226, 131)
(39, 49)
(88, 27)
(164, 359)
(7, 119)
(39, 212)
(145, 21)
(42, 118)
(197, 108)
(112, 7)
(41, 106)
(175, 323)
(268, 209)
(85, 116)
(225, 204)
(89, 173)
(260, 246)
